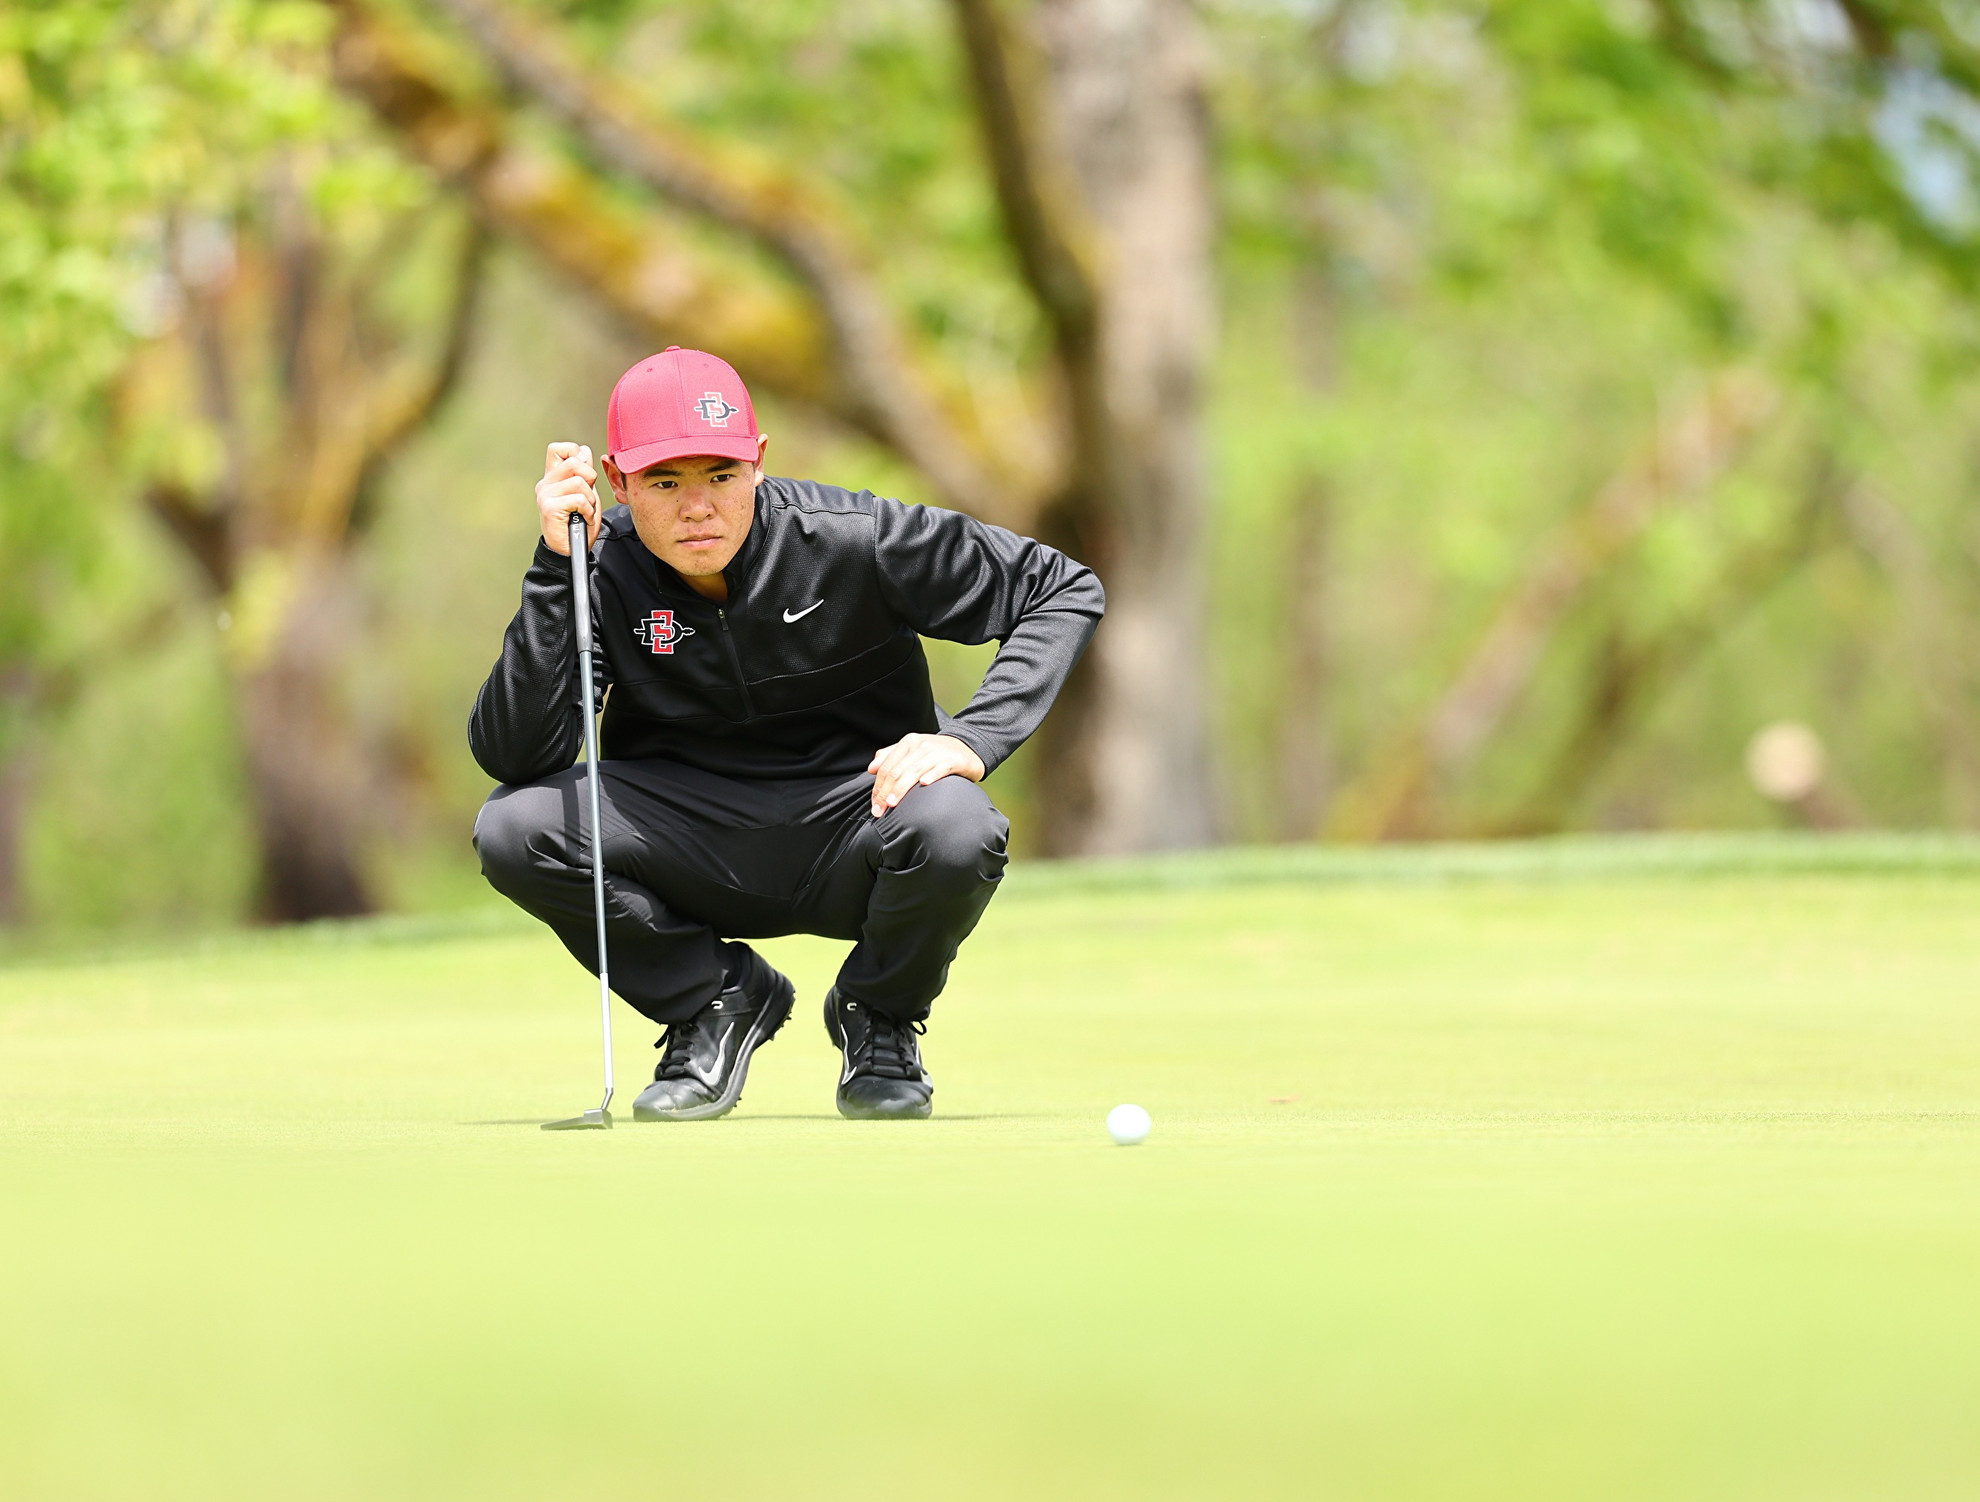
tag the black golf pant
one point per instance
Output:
(695, 862)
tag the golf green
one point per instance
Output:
(1620, 1176)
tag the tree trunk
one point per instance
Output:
(1305, 750)
(1126, 762)
(305, 761)
(17, 704)
(274, 535)
(13, 803)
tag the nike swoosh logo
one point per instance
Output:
(847, 1072)
(798, 615)
(713, 1075)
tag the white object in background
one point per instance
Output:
(1786, 761)
(1127, 1125)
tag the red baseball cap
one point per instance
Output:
(675, 403)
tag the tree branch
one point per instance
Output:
(202, 532)
(1686, 456)
(635, 264)
(882, 388)
(1869, 26)
(407, 400)
(1634, 677)
(297, 265)
(1682, 38)
(1057, 245)
(407, 403)
(839, 350)
(208, 344)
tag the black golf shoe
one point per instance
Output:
(883, 1078)
(704, 1060)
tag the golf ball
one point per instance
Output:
(1127, 1125)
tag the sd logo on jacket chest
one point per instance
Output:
(659, 631)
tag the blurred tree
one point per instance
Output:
(1455, 167)
(63, 317)
(188, 168)
(1479, 262)
(1095, 125)
(1631, 670)
(290, 359)
(1866, 112)
(1305, 755)
(1397, 792)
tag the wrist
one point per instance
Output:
(972, 760)
(975, 766)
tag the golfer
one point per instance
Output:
(773, 759)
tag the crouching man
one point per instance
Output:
(773, 759)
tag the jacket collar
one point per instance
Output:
(752, 544)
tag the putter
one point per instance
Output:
(581, 591)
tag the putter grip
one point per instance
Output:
(580, 586)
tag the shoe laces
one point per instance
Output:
(886, 1047)
(677, 1043)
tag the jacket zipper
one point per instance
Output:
(735, 661)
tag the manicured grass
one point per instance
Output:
(1572, 1172)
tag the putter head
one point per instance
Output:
(599, 1119)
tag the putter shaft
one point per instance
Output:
(581, 599)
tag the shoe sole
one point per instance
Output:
(860, 1113)
(776, 1012)
(855, 1113)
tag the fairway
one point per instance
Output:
(1619, 1179)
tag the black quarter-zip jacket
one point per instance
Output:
(814, 662)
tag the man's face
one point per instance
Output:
(692, 513)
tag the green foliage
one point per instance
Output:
(868, 98)
(1511, 238)
(122, 126)
(1474, 253)
(153, 841)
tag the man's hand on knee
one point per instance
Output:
(916, 761)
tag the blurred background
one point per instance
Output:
(1490, 418)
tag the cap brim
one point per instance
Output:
(741, 446)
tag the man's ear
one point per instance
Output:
(617, 479)
(762, 448)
